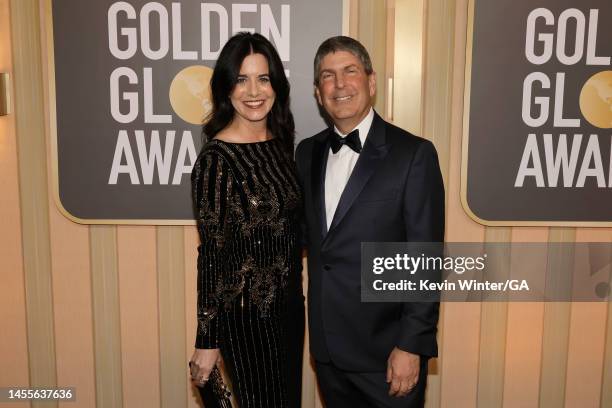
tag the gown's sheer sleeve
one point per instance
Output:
(212, 190)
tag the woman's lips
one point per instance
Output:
(254, 104)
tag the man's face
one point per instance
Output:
(345, 90)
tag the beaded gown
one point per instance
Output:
(249, 302)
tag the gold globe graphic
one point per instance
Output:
(596, 100)
(190, 94)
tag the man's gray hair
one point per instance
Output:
(341, 43)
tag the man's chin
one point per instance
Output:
(343, 115)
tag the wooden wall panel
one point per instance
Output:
(587, 337)
(556, 329)
(71, 273)
(460, 321)
(138, 303)
(439, 27)
(72, 308)
(32, 156)
(373, 35)
(13, 343)
(106, 317)
(606, 382)
(524, 340)
(494, 317)
(171, 292)
(408, 65)
(191, 240)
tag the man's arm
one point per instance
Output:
(424, 222)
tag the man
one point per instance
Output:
(365, 180)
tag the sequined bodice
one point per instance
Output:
(247, 200)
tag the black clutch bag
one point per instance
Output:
(216, 393)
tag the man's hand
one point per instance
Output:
(201, 364)
(402, 372)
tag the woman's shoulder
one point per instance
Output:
(213, 154)
(215, 148)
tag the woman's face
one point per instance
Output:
(253, 95)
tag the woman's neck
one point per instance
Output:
(247, 131)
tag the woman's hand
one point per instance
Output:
(201, 364)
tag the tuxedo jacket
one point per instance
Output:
(394, 194)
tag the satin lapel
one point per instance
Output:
(320, 152)
(371, 157)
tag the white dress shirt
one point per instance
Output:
(340, 166)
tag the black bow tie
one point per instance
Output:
(351, 140)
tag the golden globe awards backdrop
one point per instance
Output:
(538, 138)
(131, 84)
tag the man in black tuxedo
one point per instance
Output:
(365, 180)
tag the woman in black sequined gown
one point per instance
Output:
(247, 202)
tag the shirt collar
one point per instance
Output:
(363, 126)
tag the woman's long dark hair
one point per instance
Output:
(224, 78)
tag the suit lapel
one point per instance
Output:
(319, 165)
(372, 155)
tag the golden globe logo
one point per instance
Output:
(550, 159)
(596, 100)
(190, 94)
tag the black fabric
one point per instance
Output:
(394, 194)
(351, 140)
(349, 389)
(250, 302)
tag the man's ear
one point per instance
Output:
(372, 83)
(318, 95)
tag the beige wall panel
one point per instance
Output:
(310, 392)
(524, 340)
(523, 353)
(70, 257)
(530, 234)
(458, 361)
(606, 382)
(524, 336)
(492, 354)
(136, 258)
(459, 358)
(556, 331)
(353, 18)
(106, 315)
(599, 235)
(191, 258)
(586, 340)
(554, 354)
(408, 69)
(389, 61)
(459, 226)
(373, 35)
(438, 22)
(171, 293)
(438, 75)
(72, 308)
(585, 354)
(30, 135)
(13, 345)
(493, 332)
(593, 234)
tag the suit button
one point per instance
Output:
(326, 267)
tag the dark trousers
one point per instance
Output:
(348, 389)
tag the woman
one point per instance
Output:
(247, 198)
